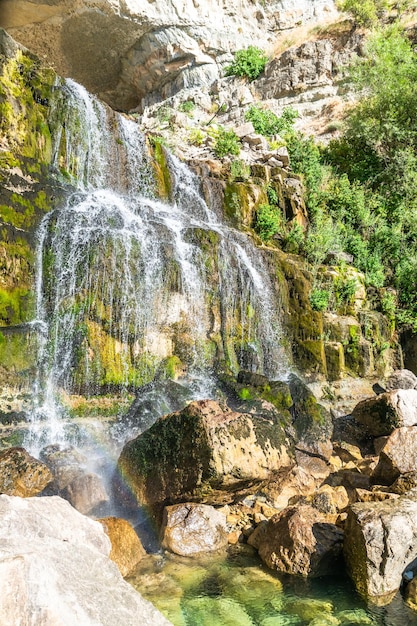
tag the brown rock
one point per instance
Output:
(21, 474)
(398, 456)
(300, 540)
(404, 483)
(347, 451)
(189, 529)
(86, 493)
(126, 547)
(289, 484)
(363, 495)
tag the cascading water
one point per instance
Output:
(126, 282)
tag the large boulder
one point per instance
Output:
(189, 529)
(202, 453)
(380, 542)
(86, 493)
(382, 414)
(55, 570)
(398, 456)
(401, 379)
(126, 547)
(22, 474)
(300, 540)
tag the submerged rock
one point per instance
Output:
(55, 570)
(380, 542)
(203, 453)
(126, 547)
(22, 474)
(189, 529)
(300, 540)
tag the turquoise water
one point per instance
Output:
(239, 591)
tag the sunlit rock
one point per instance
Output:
(21, 474)
(54, 565)
(189, 529)
(126, 547)
(380, 542)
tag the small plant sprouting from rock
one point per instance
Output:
(319, 299)
(249, 63)
(239, 170)
(268, 221)
(226, 142)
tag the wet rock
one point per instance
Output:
(54, 569)
(221, 610)
(300, 540)
(86, 493)
(203, 453)
(126, 547)
(189, 529)
(66, 464)
(387, 411)
(21, 474)
(380, 542)
(398, 456)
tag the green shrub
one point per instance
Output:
(249, 62)
(187, 107)
(266, 123)
(227, 142)
(268, 221)
(319, 299)
(196, 137)
(239, 170)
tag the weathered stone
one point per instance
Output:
(66, 464)
(382, 414)
(411, 594)
(398, 456)
(401, 379)
(347, 451)
(54, 569)
(126, 547)
(282, 155)
(86, 493)
(203, 453)
(363, 495)
(292, 483)
(380, 542)
(335, 360)
(404, 483)
(21, 474)
(300, 540)
(244, 130)
(189, 529)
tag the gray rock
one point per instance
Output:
(380, 542)
(244, 130)
(401, 379)
(380, 415)
(189, 529)
(86, 493)
(55, 570)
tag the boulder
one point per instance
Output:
(22, 474)
(290, 484)
(66, 464)
(86, 493)
(300, 540)
(398, 456)
(55, 570)
(382, 414)
(126, 547)
(189, 529)
(380, 542)
(404, 483)
(401, 379)
(203, 453)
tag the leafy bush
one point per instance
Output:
(249, 62)
(266, 123)
(196, 136)
(227, 142)
(319, 299)
(239, 170)
(268, 221)
(187, 107)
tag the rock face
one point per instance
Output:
(380, 542)
(54, 565)
(398, 456)
(382, 414)
(300, 540)
(122, 50)
(21, 474)
(126, 547)
(189, 529)
(202, 452)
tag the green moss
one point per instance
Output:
(171, 368)
(15, 305)
(245, 394)
(163, 176)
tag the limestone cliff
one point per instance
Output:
(124, 50)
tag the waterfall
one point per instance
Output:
(127, 282)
